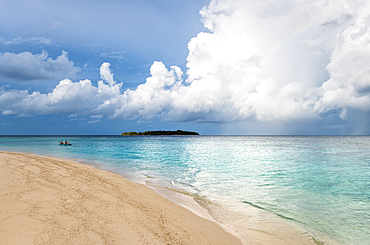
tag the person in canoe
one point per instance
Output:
(64, 143)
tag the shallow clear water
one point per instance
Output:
(320, 182)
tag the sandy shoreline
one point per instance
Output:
(46, 200)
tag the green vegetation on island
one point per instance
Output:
(159, 132)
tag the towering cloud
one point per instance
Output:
(349, 83)
(270, 60)
(260, 60)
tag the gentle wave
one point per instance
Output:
(319, 182)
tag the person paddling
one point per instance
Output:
(61, 142)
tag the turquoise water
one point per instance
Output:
(319, 182)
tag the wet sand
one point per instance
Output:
(46, 200)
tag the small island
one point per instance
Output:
(159, 132)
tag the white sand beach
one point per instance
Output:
(46, 200)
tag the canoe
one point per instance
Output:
(65, 144)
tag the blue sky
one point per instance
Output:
(216, 67)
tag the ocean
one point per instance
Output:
(320, 184)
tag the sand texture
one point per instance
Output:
(45, 200)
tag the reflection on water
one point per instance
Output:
(320, 182)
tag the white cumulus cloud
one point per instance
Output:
(68, 97)
(27, 66)
(261, 60)
(349, 83)
(267, 60)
